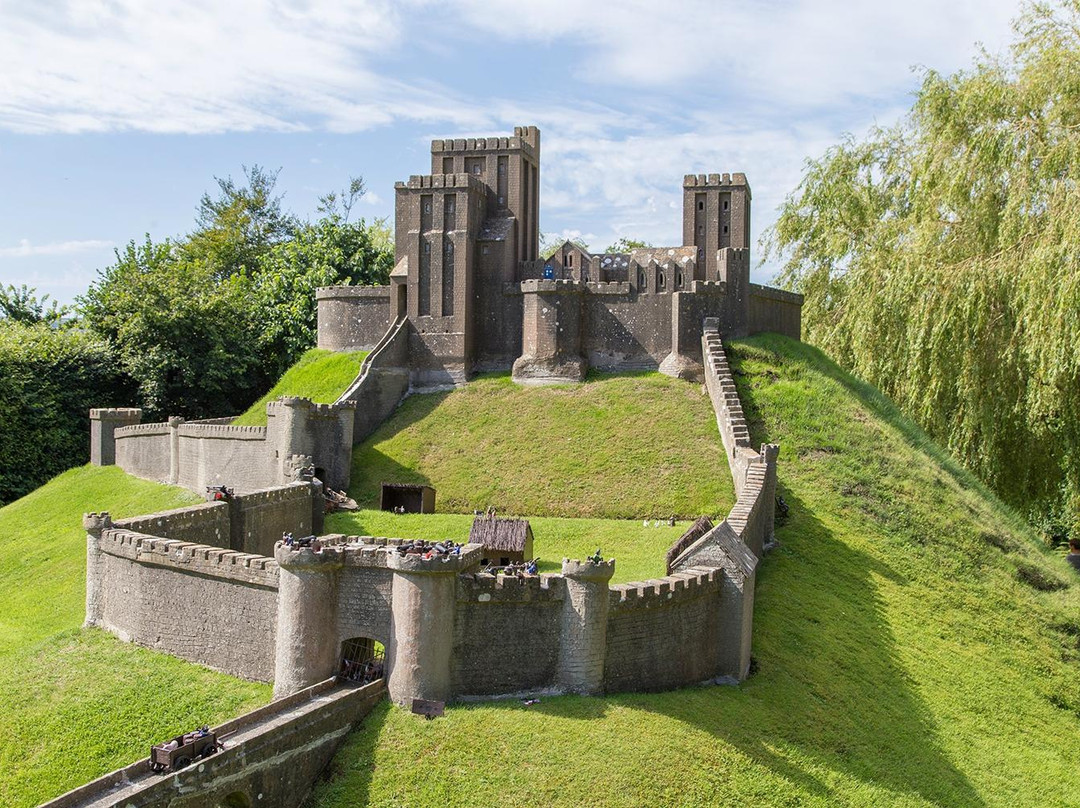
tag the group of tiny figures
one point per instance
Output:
(429, 549)
(188, 737)
(519, 570)
(304, 541)
(670, 522)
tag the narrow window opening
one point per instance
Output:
(701, 205)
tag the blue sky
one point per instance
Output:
(116, 115)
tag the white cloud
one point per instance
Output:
(25, 248)
(800, 52)
(204, 66)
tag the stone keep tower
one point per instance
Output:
(461, 233)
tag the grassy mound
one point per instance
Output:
(319, 375)
(638, 549)
(904, 658)
(616, 447)
(75, 704)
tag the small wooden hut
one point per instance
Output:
(413, 498)
(506, 541)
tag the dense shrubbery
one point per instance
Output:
(939, 259)
(48, 379)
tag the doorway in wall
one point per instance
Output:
(362, 660)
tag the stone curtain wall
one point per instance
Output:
(249, 523)
(506, 634)
(219, 454)
(208, 524)
(775, 310)
(665, 633)
(245, 458)
(204, 604)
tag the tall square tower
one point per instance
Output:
(716, 214)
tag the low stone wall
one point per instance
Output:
(507, 633)
(244, 458)
(352, 318)
(258, 519)
(220, 454)
(208, 524)
(144, 451)
(272, 756)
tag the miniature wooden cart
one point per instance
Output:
(182, 750)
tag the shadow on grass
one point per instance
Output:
(830, 689)
(353, 765)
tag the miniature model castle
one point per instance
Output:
(469, 279)
(468, 293)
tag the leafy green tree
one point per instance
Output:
(238, 226)
(625, 245)
(20, 304)
(180, 328)
(328, 252)
(939, 261)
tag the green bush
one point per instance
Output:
(49, 378)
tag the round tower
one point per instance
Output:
(306, 650)
(584, 625)
(422, 625)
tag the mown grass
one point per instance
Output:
(319, 375)
(617, 447)
(74, 703)
(638, 550)
(901, 659)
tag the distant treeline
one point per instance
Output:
(940, 259)
(198, 326)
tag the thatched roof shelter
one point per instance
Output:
(501, 534)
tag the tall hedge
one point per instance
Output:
(49, 378)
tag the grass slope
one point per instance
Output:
(903, 658)
(616, 447)
(319, 375)
(638, 550)
(75, 704)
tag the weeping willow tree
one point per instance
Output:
(940, 259)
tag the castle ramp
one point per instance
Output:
(272, 756)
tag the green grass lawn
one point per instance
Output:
(903, 659)
(75, 704)
(617, 447)
(639, 551)
(319, 375)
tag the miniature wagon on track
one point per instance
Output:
(182, 750)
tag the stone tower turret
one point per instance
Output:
(716, 214)
(584, 626)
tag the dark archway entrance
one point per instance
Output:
(363, 660)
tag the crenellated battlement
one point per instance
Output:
(608, 287)
(714, 180)
(550, 285)
(685, 584)
(142, 429)
(115, 413)
(221, 431)
(436, 181)
(483, 587)
(201, 559)
(523, 139)
(96, 522)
